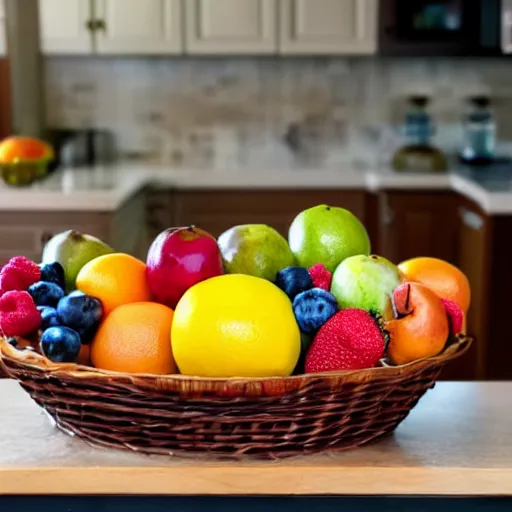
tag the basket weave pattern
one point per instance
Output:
(258, 418)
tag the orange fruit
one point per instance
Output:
(421, 329)
(135, 338)
(16, 148)
(115, 279)
(440, 276)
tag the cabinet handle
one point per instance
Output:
(471, 219)
(90, 25)
(101, 25)
(387, 215)
(95, 25)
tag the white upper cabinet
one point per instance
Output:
(65, 26)
(138, 27)
(3, 43)
(230, 26)
(339, 27)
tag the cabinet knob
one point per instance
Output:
(471, 219)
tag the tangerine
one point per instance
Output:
(135, 338)
(440, 276)
(115, 279)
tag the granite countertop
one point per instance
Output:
(457, 441)
(105, 188)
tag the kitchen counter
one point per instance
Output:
(457, 442)
(107, 188)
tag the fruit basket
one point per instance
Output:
(257, 418)
(248, 345)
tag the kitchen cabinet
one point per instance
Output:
(138, 27)
(3, 41)
(111, 26)
(411, 224)
(66, 27)
(338, 27)
(218, 210)
(474, 252)
(230, 26)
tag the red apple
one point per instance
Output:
(179, 258)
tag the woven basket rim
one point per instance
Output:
(35, 361)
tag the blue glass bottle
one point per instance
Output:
(479, 133)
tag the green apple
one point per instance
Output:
(255, 249)
(327, 234)
(365, 282)
(73, 250)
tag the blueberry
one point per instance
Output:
(53, 273)
(45, 293)
(60, 344)
(80, 312)
(313, 308)
(293, 280)
(48, 317)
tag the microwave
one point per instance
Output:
(445, 27)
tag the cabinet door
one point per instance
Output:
(64, 26)
(328, 27)
(414, 224)
(139, 26)
(474, 253)
(231, 26)
(3, 42)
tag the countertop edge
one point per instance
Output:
(235, 479)
(130, 180)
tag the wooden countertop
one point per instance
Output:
(458, 441)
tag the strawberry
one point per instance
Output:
(18, 314)
(321, 276)
(455, 315)
(350, 340)
(18, 274)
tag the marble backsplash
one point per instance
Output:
(251, 109)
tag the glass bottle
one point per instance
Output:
(479, 132)
(418, 154)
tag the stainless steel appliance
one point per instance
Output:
(445, 27)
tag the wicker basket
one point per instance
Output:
(259, 418)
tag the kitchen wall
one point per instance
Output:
(238, 110)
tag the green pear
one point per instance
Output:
(365, 282)
(255, 249)
(327, 234)
(73, 250)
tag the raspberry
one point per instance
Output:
(18, 314)
(455, 315)
(18, 274)
(321, 276)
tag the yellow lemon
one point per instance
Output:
(235, 326)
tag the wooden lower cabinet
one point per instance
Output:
(411, 224)
(218, 210)
(26, 233)
(441, 225)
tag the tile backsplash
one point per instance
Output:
(250, 109)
